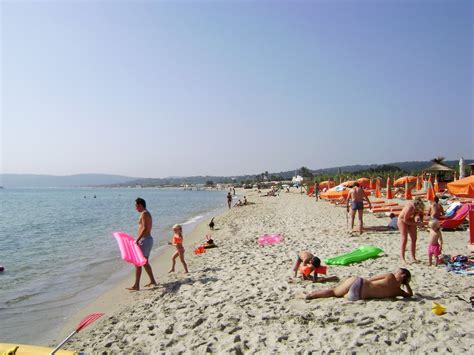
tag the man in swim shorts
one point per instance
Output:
(356, 288)
(356, 197)
(145, 241)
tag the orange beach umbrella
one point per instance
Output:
(404, 180)
(389, 189)
(418, 184)
(430, 193)
(436, 185)
(349, 183)
(462, 187)
(378, 194)
(364, 182)
(373, 184)
(408, 195)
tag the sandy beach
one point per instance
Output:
(240, 297)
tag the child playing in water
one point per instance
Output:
(436, 241)
(177, 241)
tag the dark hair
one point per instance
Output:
(315, 261)
(406, 276)
(392, 215)
(140, 201)
(356, 184)
(436, 199)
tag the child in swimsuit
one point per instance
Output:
(177, 241)
(306, 259)
(436, 241)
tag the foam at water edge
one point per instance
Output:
(192, 220)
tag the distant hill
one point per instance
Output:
(408, 167)
(22, 180)
(31, 180)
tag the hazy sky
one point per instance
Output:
(157, 88)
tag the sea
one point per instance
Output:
(58, 252)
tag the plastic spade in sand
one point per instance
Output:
(91, 318)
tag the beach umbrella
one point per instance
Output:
(403, 180)
(364, 182)
(461, 168)
(418, 184)
(349, 183)
(430, 194)
(462, 187)
(408, 195)
(378, 194)
(389, 189)
(373, 184)
(436, 185)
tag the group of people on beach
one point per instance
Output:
(354, 288)
(384, 285)
(145, 242)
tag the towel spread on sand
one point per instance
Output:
(463, 265)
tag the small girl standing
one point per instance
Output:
(177, 241)
(436, 241)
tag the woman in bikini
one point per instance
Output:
(410, 217)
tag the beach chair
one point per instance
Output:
(471, 230)
(458, 218)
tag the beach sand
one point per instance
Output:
(239, 297)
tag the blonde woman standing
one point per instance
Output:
(410, 217)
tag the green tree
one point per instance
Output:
(305, 172)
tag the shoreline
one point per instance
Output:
(106, 301)
(240, 297)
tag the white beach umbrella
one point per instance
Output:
(461, 168)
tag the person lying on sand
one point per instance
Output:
(209, 243)
(356, 288)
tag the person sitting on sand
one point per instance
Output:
(436, 210)
(356, 288)
(435, 246)
(356, 197)
(245, 200)
(209, 243)
(177, 241)
(392, 225)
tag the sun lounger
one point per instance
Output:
(458, 218)
(387, 209)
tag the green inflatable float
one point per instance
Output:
(362, 253)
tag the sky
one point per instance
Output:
(179, 88)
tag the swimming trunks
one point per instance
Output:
(357, 205)
(146, 243)
(434, 249)
(355, 291)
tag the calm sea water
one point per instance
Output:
(59, 253)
